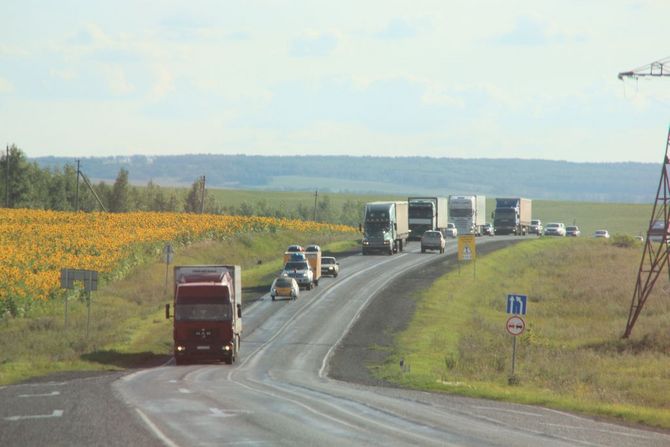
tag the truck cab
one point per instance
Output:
(207, 313)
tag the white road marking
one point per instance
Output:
(55, 414)
(53, 393)
(217, 412)
(184, 391)
(167, 441)
(525, 413)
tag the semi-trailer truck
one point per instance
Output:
(207, 313)
(385, 227)
(467, 213)
(427, 213)
(512, 216)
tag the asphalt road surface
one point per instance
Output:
(280, 392)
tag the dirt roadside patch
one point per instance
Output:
(371, 338)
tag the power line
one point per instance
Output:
(659, 68)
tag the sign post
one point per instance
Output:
(467, 250)
(169, 253)
(90, 280)
(516, 325)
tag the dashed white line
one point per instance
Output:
(55, 414)
(53, 393)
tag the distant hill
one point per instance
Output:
(537, 179)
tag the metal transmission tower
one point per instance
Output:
(658, 68)
(657, 243)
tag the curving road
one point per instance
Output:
(279, 392)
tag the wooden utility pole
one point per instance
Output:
(7, 179)
(76, 193)
(202, 195)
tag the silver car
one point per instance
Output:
(554, 229)
(432, 240)
(330, 266)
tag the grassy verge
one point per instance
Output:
(127, 327)
(571, 356)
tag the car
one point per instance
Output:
(488, 230)
(432, 240)
(602, 233)
(573, 231)
(657, 229)
(535, 227)
(330, 266)
(284, 287)
(451, 230)
(312, 248)
(554, 229)
(295, 248)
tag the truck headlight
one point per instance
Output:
(366, 242)
(181, 348)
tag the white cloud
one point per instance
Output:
(117, 80)
(163, 84)
(6, 86)
(314, 45)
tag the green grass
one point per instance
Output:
(571, 356)
(128, 326)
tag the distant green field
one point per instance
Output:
(235, 197)
(617, 218)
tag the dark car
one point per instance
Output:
(295, 248)
(572, 231)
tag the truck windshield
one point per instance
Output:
(296, 266)
(460, 212)
(377, 227)
(505, 212)
(421, 211)
(202, 312)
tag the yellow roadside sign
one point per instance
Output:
(467, 250)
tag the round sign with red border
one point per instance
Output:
(515, 325)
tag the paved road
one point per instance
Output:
(279, 392)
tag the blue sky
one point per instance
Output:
(478, 79)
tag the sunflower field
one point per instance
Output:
(35, 244)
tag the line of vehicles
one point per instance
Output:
(207, 302)
(387, 226)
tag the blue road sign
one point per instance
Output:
(516, 304)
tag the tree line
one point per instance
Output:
(24, 184)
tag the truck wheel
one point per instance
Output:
(316, 283)
(273, 297)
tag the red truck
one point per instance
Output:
(207, 313)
